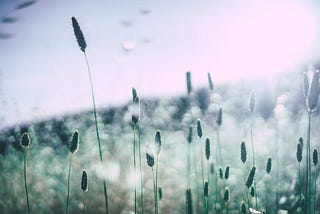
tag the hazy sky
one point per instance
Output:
(148, 44)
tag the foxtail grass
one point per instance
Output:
(226, 198)
(83, 45)
(206, 194)
(25, 143)
(189, 208)
(84, 187)
(299, 159)
(311, 102)
(315, 161)
(268, 170)
(73, 148)
(157, 149)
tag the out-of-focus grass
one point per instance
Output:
(281, 104)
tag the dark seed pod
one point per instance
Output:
(299, 152)
(211, 87)
(205, 189)
(315, 157)
(226, 195)
(221, 173)
(79, 35)
(252, 191)
(25, 140)
(199, 128)
(269, 165)
(150, 159)
(250, 177)
(226, 173)
(160, 193)
(243, 208)
(134, 94)
(136, 111)
(74, 145)
(189, 86)
(243, 152)
(157, 141)
(84, 181)
(301, 141)
(189, 202)
(207, 148)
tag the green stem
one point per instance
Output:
(300, 191)
(68, 187)
(141, 173)
(188, 165)
(315, 191)
(308, 169)
(134, 170)
(156, 189)
(253, 161)
(84, 203)
(196, 173)
(25, 177)
(206, 205)
(97, 132)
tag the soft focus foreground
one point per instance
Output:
(278, 120)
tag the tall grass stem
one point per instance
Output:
(25, 177)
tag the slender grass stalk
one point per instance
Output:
(311, 101)
(141, 171)
(134, 169)
(268, 170)
(82, 44)
(299, 159)
(157, 149)
(25, 142)
(189, 157)
(68, 185)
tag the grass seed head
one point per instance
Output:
(243, 208)
(252, 101)
(134, 94)
(207, 148)
(243, 152)
(226, 195)
(269, 165)
(84, 181)
(150, 159)
(305, 84)
(211, 86)
(315, 157)
(160, 193)
(189, 201)
(299, 152)
(301, 141)
(25, 140)
(136, 111)
(313, 95)
(252, 191)
(250, 177)
(190, 134)
(157, 141)
(74, 145)
(199, 128)
(206, 189)
(79, 35)
(189, 86)
(219, 117)
(227, 172)
(220, 173)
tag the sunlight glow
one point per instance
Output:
(267, 38)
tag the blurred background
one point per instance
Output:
(147, 44)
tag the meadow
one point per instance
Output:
(244, 147)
